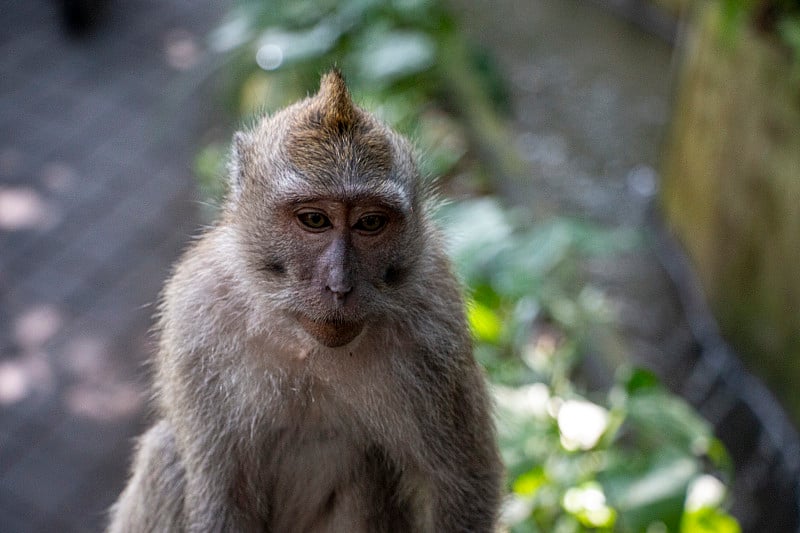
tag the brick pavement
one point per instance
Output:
(96, 201)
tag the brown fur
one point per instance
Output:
(316, 379)
(333, 139)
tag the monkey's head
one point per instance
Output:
(327, 208)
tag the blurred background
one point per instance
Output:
(623, 203)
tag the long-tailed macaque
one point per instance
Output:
(314, 369)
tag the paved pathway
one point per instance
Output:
(96, 201)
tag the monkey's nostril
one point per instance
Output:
(339, 292)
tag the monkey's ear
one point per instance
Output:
(236, 164)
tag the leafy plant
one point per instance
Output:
(777, 19)
(401, 60)
(780, 18)
(632, 458)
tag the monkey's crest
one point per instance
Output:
(335, 104)
(334, 140)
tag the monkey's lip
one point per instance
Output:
(331, 333)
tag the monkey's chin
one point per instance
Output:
(332, 334)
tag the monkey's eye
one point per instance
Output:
(371, 223)
(314, 220)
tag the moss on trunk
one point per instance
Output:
(731, 192)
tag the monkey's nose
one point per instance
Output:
(340, 291)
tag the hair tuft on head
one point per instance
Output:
(336, 106)
(329, 136)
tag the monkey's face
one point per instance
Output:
(343, 263)
(325, 199)
(333, 264)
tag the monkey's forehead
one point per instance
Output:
(362, 148)
(297, 188)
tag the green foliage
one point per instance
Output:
(735, 12)
(779, 20)
(391, 52)
(708, 520)
(780, 17)
(789, 30)
(209, 165)
(633, 458)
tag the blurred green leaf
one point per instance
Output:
(528, 483)
(395, 54)
(789, 30)
(209, 167)
(477, 231)
(709, 520)
(638, 380)
(485, 324)
(650, 491)
(656, 412)
(651, 444)
(278, 47)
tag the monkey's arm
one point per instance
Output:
(452, 411)
(207, 445)
(162, 495)
(454, 448)
(153, 499)
(468, 471)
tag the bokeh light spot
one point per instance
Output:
(581, 424)
(58, 176)
(181, 49)
(269, 56)
(103, 402)
(36, 326)
(19, 378)
(21, 208)
(13, 383)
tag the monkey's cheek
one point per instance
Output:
(331, 334)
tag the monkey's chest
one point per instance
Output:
(315, 481)
(312, 468)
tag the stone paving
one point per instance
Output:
(97, 137)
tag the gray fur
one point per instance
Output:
(264, 427)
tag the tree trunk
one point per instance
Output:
(731, 191)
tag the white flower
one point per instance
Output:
(588, 503)
(515, 510)
(526, 400)
(704, 491)
(581, 424)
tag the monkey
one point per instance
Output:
(314, 368)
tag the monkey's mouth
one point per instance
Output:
(331, 333)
